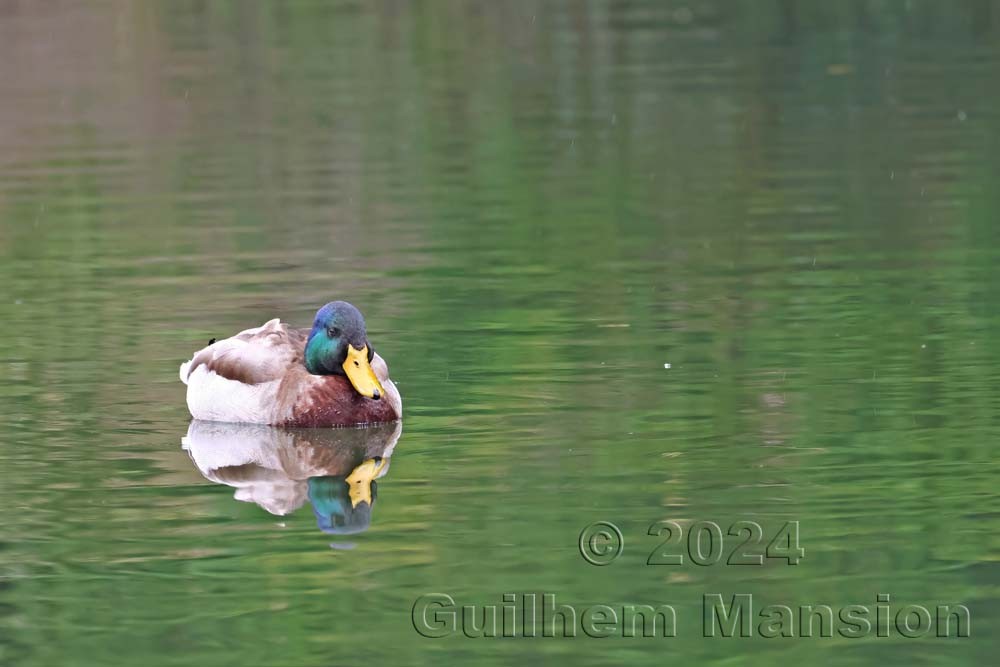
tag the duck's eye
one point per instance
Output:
(333, 332)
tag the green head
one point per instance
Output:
(338, 345)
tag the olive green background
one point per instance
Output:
(537, 206)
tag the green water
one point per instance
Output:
(538, 207)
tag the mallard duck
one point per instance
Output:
(329, 375)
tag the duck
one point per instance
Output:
(277, 375)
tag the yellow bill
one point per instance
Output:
(360, 373)
(360, 480)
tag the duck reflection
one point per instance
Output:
(279, 469)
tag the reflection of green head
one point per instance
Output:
(332, 504)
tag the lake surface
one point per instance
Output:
(627, 261)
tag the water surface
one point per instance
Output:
(539, 207)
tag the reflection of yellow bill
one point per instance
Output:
(360, 373)
(360, 480)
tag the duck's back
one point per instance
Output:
(237, 379)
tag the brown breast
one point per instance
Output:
(332, 401)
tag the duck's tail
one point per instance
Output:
(184, 370)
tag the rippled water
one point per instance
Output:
(627, 262)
